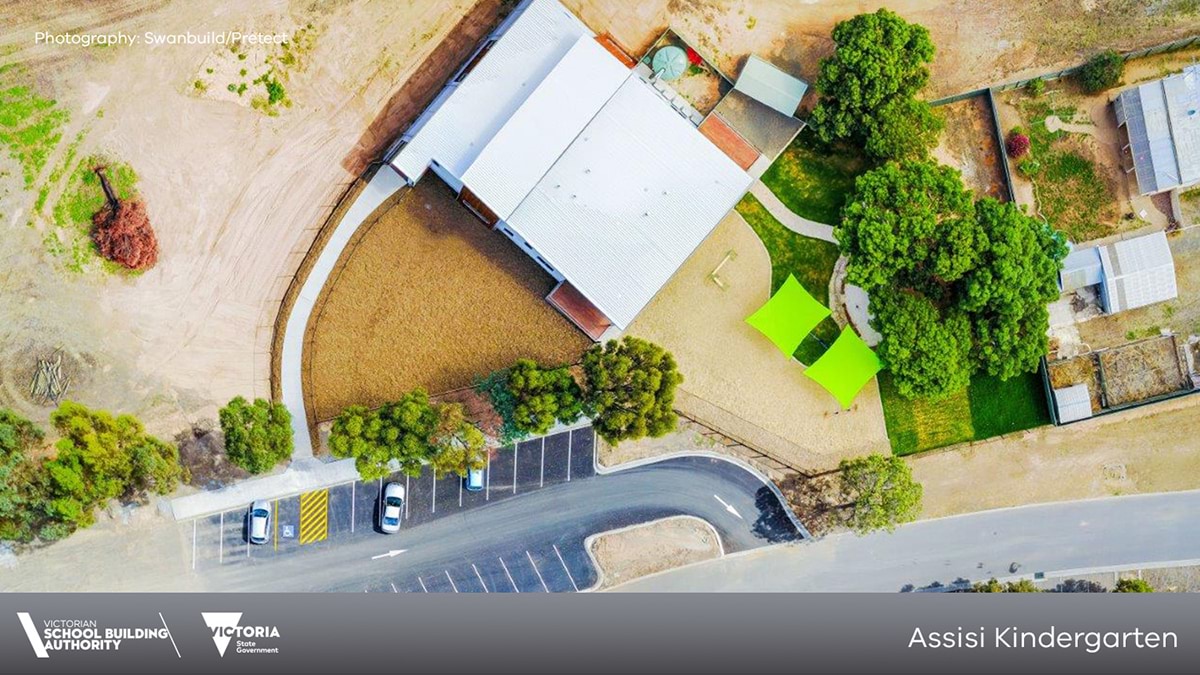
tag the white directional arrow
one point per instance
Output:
(729, 507)
(390, 554)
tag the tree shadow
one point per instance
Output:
(773, 523)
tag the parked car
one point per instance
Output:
(473, 481)
(391, 506)
(259, 527)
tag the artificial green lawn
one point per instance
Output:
(814, 181)
(988, 407)
(810, 260)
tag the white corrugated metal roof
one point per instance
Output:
(1080, 269)
(1073, 403)
(1138, 272)
(763, 82)
(628, 201)
(513, 67)
(1163, 121)
(553, 115)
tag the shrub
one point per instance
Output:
(542, 396)
(495, 387)
(631, 389)
(1036, 87)
(257, 435)
(1029, 168)
(1133, 586)
(1017, 145)
(123, 234)
(1102, 72)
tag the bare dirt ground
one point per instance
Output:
(428, 297)
(969, 144)
(1150, 449)
(634, 552)
(233, 193)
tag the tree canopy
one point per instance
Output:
(18, 474)
(542, 396)
(869, 85)
(396, 432)
(1102, 71)
(1129, 585)
(630, 389)
(957, 286)
(257, 435)
(879, 492)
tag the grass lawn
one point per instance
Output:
(1071, 193)
(988, 407)
(810, 260)
(812, 180)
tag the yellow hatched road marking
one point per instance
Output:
(314, 516)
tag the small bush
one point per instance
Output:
(1036, 87)
(1017, 145)
(1029, 168)
(1104, 71)
(123, 235)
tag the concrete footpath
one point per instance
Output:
(302, 476)
(790, 220)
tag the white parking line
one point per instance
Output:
(570, 437)
(539, 572)
(221, 544)
(433, 503)
(508, 574)
(422, 582)
(394, 587)
(516, 449)
(487, 482)
(194, 544)
(405, 497)
(460, 490)
(451, 580)
(542, 471)
(353, 506)
(565, 569)
(480, 577)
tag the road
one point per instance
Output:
(533, 541)
(1049, 538)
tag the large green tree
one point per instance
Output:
(458, 445)
(19, 477)
(630, 389)
(258, 435)
(869, 85)
(879, 492)
(957, 286)
(542, 396)
(396, 432)
(101, 457)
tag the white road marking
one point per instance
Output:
(194, 544)
(460, 490)
(394, 587)
(433, 502)
(565, 569)
(480, 577)
(451, 580)
(406, 500)
(487, 482)
(537, 571)
(542, 471)
(570, 439)
(516, 449)
(729, 507)
(422, 582)
(352, 507)
(221, 544)
(508, 574)
(390, 554)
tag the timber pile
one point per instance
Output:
(49, 384)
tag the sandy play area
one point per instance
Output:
(735, 380)
(428, 296)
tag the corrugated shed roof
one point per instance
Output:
(1163, 121)
(628, 201)
(553, 115)
(480, 105)
(764, 82)
(1073, 403)
(1080, 269)
(1138, 272)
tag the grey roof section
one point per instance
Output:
(1163, 122)
(764, 82)
(1138, 272)
(1082, 268)
(1073, 403)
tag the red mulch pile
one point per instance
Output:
(124, 236)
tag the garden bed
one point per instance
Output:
(969, 144)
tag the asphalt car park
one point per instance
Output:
(320, 519)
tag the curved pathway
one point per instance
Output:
(790, 220)
(383, 185)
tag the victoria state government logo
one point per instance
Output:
(227, 627)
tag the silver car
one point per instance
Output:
(259, 525)
(391, 506)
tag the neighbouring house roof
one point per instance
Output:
(535, 41)
(629, 200)
(766, 83)
(1081, 268)
(549, 120)
(1073, 403)
(1137, 272)
(1163, 123)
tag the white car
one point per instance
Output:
(259, 525)
(391, 505)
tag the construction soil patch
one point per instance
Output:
(428, 296)
(634, 552)
(1142, 370)
(969, 144)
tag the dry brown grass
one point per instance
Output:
(1077, 370)
(1142, 370)
(428, 297)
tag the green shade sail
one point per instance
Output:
(845, 368)
(789, 316)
